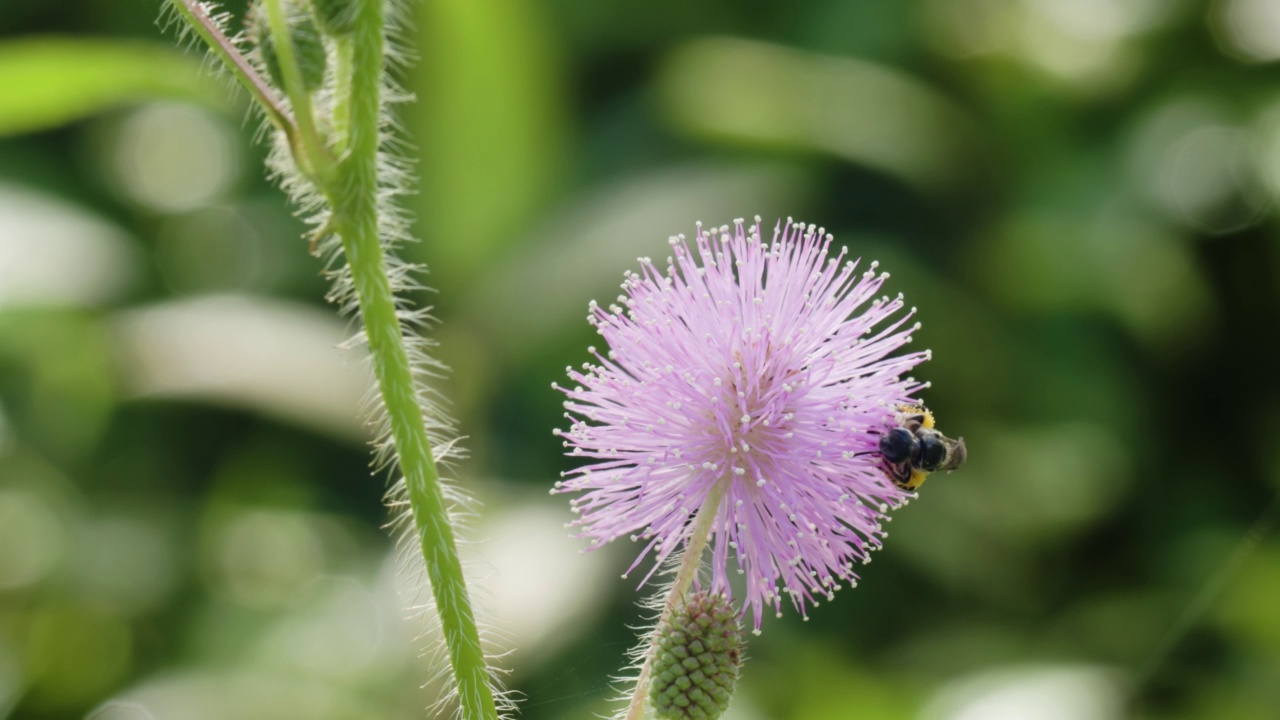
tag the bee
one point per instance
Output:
(914, 448)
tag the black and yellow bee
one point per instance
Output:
(914, 448)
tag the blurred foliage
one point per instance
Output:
(51, 81)
(1079, 197)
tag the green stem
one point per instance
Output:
(357, 209)
(689, 563)
(342, 89)
(315, 156)
(235, 62)
(350, 184)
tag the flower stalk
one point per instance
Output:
(699, 535)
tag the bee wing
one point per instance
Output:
(956, 454)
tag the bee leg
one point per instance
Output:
(899, 475)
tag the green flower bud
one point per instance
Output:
(308, 49)
(695, 665)
(336, 17)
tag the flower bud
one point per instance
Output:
(695, 664)
(308, 49)
(336, 17)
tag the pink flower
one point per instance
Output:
(765, 369)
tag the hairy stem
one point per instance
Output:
(342, 88)
(315, 157)
(350, 185)
(685, 575)
(357, 210)
(238, 65)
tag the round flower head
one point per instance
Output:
(764, 372)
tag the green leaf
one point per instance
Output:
(51, 81)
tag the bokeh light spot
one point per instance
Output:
(1204, 179)
(336, 630)
(1051, 693)
(260, 558)
(173, 157)
(32, 539)
(1198, 167)
(211, 249)
(125, 563)
(1248, 29)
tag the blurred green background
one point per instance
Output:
(1079, 196)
